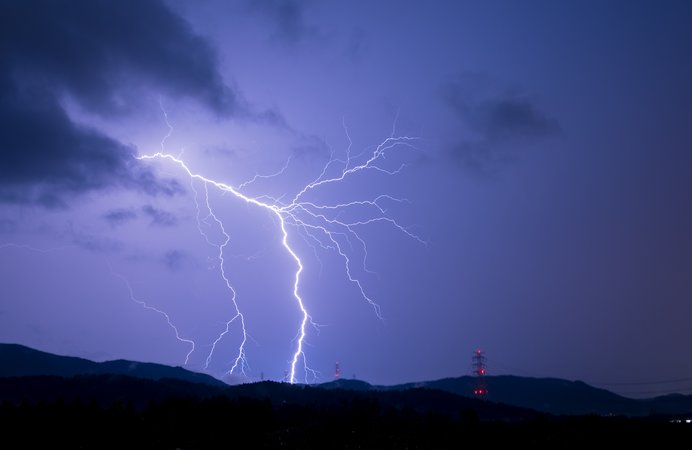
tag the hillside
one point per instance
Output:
(551, 395)
(20, 361)
(36, 375)
(548, 395)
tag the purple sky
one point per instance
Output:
(551, 180)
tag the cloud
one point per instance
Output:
(45, 157)
(116, 217)
(97, 244)
(310, 147)
(175, 259)
(160, 217)
(497, 121)
(287, 18)
(100, 55)
(503, 119)
(93, 48)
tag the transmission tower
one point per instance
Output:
(479, 370)
(337, 371)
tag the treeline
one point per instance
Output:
(357, 423)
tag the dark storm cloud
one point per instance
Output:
(310, 147)
(159, 216)
(287, 18)
(92, 48)
(97, 244)
(497, 120)
(502, 119)
(45, 157)
(175, 259)
(271, 116)
(101, 55)
(119, 216)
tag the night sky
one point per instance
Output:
(542, 210)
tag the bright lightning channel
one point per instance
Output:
(319, 223)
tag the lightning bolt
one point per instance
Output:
(144, 305)
(271, 175)
(318, 223)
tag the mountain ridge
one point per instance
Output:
(18, 360)
(546, 395)
(549, 395)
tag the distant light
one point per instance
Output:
(688, 420)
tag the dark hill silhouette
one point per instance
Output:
(549, 395)
(35, 375)
(101, 389)
(19, 361)
(351, 385)
(140, 405)
(420, 400)
(118, 411)
(139, 392)
(28, 375)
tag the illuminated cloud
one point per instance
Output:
(101, 56)
(496, 120)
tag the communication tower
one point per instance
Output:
(479, 371)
